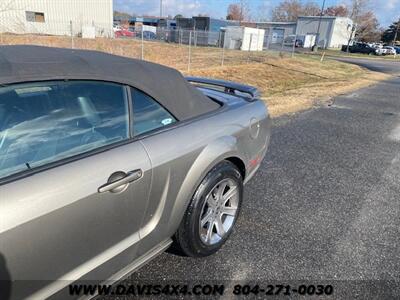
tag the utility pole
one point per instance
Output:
(353, 30)
(241, 12)
(315, 47)
(396, 32)
(161, 9)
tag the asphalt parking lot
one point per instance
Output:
(325, 205)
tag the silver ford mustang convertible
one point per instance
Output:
(106, 161)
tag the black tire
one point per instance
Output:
(187, 239)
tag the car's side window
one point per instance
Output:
(148, 114)
(47, 121)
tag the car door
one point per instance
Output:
(172, 147)
(73, 184)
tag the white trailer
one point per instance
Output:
(244, 38)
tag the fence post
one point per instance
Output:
(258, 39)
(322, 57)
(294, 45)
(142, 43)
(250, 42)
(1, 32)
(223, 48)
(190, 50)
(72, 35)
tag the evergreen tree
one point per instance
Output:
(392, 34)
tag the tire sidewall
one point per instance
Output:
(220, 172)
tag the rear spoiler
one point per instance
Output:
(247, 92)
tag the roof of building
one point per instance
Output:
(144, 19)
(277, 23)
(22, 63)
(323, 17)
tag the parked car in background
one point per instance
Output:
(147, 35)
(106, 161)
(362, 48)
(381, 51)
(397, 48)
(123, 32)
(116, 27)
(299, 43)
(289, 40)
(377, 45)
(390, 50)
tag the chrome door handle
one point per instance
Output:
(119, 181)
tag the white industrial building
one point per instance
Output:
(243, 38)
(333, 31)
(57, 17)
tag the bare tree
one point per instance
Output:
(357, 8)
(337, 11)
(311, 9)
(121, 15)
(239, 11)
(368, 27)
(233, 12)
(287, 10)
(367, 24)
(290, 10)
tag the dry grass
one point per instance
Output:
(292, 85)
(320, 92)
(288, 84)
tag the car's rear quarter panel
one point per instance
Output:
(182, 157)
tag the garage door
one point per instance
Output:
(277, 35)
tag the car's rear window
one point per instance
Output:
(148, 114)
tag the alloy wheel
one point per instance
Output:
(219, 211)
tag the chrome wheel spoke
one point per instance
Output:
(211, 201)
(220, 227)
(220, 191)
(231, 192)
(219, 211)
(226, 210)
(209, 232)
(207, 218)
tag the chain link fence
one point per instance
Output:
(183, 49)
(246, 47)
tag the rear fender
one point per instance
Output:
(208, 158)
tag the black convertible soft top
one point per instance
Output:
(35, 63)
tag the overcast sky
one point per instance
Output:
(387, 11)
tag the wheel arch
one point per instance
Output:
(238, 162)
(224, 148)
